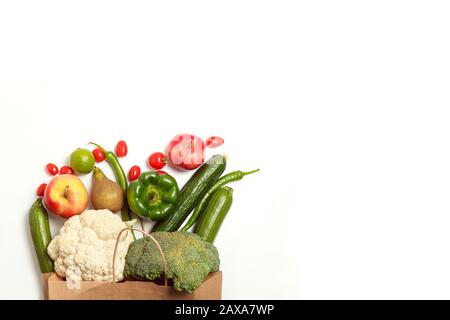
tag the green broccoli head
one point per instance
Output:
(189, 259)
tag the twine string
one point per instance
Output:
(152, 238)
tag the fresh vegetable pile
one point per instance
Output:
(84, 248)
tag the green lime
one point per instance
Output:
(82, 161)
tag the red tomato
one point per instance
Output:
(157, 160)
(186, 151)
(121, 149)
(98, 155)
(134, 173)
(213, 142)
(66, 170)
(161, 172)
(41, 189)
(52, 169)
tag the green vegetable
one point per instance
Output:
(189, 259)
(153, 195)
(121, 179)
(192, 191)
(40, 233)
(232, 176)
(215, 212)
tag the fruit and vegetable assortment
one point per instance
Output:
(83, 250)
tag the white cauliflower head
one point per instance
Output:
(84, 248)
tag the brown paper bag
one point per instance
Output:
(211, 289)
(55, 288)
(44, 278)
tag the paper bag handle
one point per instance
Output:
(153, 239)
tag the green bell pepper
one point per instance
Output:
(153, 195)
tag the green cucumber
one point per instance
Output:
(40, 233)
(230, 177)
(215, 212)
(192, 192)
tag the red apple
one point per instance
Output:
(66, 196)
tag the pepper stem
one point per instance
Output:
(249, 172)
(98, 146)
(153, 195)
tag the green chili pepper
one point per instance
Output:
(153, 195)
(231, 177)
(121, 179)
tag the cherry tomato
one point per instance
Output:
(41, 189)
(66, 170)
(214, 141)
(186, 152)
(134, 173)
(121, 149)
(161, 172)
(157, 160)
(98, 155)
(52, 169)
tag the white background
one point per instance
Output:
(344, 105)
